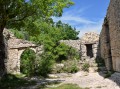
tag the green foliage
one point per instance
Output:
(73, 54)
(100, 62)
(85, 67)
(68, 86)
(33, 17)
(61, 51)
(40, 28)
(108, 74)
(12, 82)
(67, 31)
(18, 34)
(49, 35)
(45, 65)
(14, 11)
(27, 62)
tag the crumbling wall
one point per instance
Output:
(14, 49)
(110, 37)
(90, 38)
(72, 43)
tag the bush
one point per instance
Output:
(100, 62)
(108, 74)
(73, 54)
(18, 34)
(45, 65)
(27, 62)
(64, 52)
(85, 67)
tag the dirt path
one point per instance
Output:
(84, 80)
(93, 81)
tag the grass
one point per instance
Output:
(109, 73)
(66, 86)
(85, 67)
(12, 82)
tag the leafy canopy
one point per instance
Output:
(12, 11)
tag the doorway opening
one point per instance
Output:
(89, 50)
(27, 62)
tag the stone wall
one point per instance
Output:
(15, 47)
(72, 43)
(110, 37)
(90, 38)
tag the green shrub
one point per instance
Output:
(18, 34)
(68, 86)
(108, 74)
(45, 65)
(27, 62)
(85, 67)
(65, 52)
(100, 62)
(73, 54)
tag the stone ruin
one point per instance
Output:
(15, 47)
(86, 45)
(89, 46)
(72, 43)
(110, 37)
(107, 45)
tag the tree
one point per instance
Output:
(67, 31)
(14, 11)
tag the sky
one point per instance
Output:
(85, 15)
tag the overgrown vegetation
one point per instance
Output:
(108, 74)
(26, 15)
(49, 35)
(27, 62)
(85, 67)
(31, 20)
(41, 29)
(68, 86)
(100, 62)
(45, 65)
(64, 86)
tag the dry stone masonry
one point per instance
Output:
(87, 45)
(73, 43)
(110, 37)
(15, 48)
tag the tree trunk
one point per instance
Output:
(2, 54)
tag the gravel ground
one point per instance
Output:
(94, 80)
(84, 80)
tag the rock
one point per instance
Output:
(52, 76)
(92, 69)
